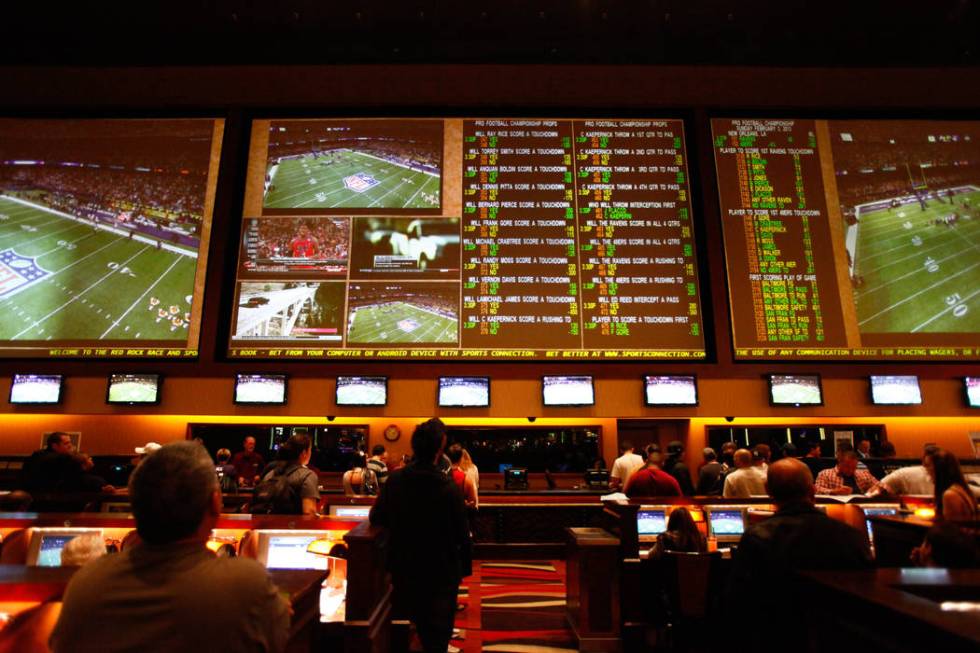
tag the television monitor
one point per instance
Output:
(971, 385)
(106, 235)
(650, 522)
(44, 549)
(380, 237)
(515, 478)
(871, 510)
(133, 389)
(795, 390)
(567, 391)
(849, 239)
(464, 391)
(287, 549)
(726, 523)
(350, 513)
(36, 389)
(597, 479)
(895, 390)
(260, 388)
(362, 391)
(670, 390)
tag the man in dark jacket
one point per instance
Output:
(676, 467)
(797, 537)
(430, 543)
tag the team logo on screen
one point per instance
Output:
(360, 182)
(17, 271)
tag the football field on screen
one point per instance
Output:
(65, 280)
(348, 179)
(399, 322)
(920, 273)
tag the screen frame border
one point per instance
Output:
(156, 402)
(590, 377)
(484, 378)
(774, 404)
(285, 391)
(729, 537)
(38, 534)
(61, 391)
(336, 390)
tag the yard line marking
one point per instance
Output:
(16, 246)
(916, 270)
(946, 310)
(387, 194)
(76, 296)
(138, 299)
(910, 297)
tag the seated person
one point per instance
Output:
(952, 496)
(682, 534)
(711, 474)
(845, 478)
(169, 592)
(948, 546)
(59, 468)
(797, 537)
(288, 487)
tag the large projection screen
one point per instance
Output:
(510, 238)
(851, 239)
(104, 228)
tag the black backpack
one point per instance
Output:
(275, 495)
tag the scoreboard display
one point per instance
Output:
(104, 232)
(851, 239)
(510, 238)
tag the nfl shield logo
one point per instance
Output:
(17, 271)
(360, 182)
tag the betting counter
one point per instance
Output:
(307, 558)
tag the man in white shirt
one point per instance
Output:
(624, 466)
(746, 481)
(907, 480)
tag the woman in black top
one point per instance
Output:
(682, 534)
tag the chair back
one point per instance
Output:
(690, 581)
(15, 545)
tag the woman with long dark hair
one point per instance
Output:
(953, 498)
(682, 534)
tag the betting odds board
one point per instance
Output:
(448, 239)
(851, 239)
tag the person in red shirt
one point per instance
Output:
(651, 481)
(304, 245)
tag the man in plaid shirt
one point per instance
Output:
(845, 478)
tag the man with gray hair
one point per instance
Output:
(169, 592)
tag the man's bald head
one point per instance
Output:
(743, 458)
(789, 481)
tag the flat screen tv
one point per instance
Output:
(567, 391)
(36, 389)
(971, 385)
(895, 390)
(795, 390)
(670, 390)
(133, 389)
(362, 391)
(464, 391)
(260, 388)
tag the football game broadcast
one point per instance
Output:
(104, 229)
(339, 165)
(452, 238)
(851, 239)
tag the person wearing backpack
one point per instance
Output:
(288, 487)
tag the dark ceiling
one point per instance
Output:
(854, 33)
